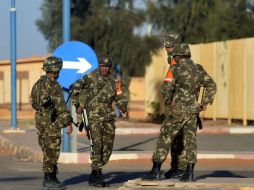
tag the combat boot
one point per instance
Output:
(170, 172)
(155, 173)
(49, 182)
(92, 177)
(188, 174)
(55, 172)
(57, 181)
(177, 174)
(96, 179)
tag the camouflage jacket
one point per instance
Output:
(182, 85)
(96, 93)
(48, 101)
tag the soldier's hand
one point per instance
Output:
(167, 101)
(202, 107)
(69, 130)
(125, 113)
(79, 110)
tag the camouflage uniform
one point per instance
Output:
(96, 93)
(181, 90)
(177, 158)
(51, 115)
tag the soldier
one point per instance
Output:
(95, 93)
(51, 115)
(180, 91)
(177, 161)
(170, 40)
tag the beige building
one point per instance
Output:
(29, 71)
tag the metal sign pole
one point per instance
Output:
(66, 138)
(66, 37)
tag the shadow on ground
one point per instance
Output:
(226, 174)
(110, 178)
(121, 177)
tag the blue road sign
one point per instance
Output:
(78, 58)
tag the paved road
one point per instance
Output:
(213, 142)
(206, 142)
(27, 175)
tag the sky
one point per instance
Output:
(30, 41)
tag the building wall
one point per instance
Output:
(137, 98)
(28, 71)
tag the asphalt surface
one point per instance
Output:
(27, 175)
(206, 142)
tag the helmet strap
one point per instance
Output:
(53, 75)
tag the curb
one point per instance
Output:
(26, 153)
(224, 130)
(206, 130)
(22, 153)
(84, 158)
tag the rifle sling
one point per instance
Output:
(95, 97)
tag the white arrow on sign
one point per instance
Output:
(82, 65)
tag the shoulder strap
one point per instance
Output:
(95, 97)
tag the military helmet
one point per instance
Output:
(105, 61)
(171, 39)
(52, 64)
(181, 49)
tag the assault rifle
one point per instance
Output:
(85, 124)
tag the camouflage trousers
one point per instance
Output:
(176, 150)
(103, 135)
(168, 132)
(49, 139)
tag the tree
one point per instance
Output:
(204, 21)
(229, 20)
(107, 26)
